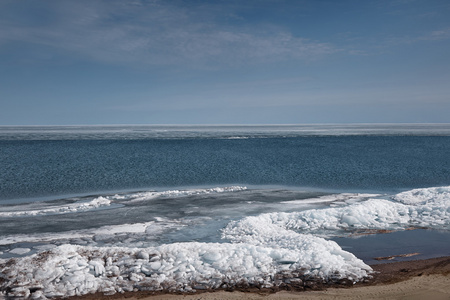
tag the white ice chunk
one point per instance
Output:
(434, 195)
(347, 197)
(20, 251)
(420, 208)
(69, 208)
(144, 196)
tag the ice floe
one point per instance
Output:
(102, 202)
(417, 208)
(344, 197)
(429, 196)
(144, 196)
(62, 209)
(130, 234)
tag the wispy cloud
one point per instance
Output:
(430, 36)
(437, 35)
(155, 33)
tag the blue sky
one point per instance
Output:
(224, 62)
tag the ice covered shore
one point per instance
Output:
(261, 250)
(70, 270)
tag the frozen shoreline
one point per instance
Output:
(277, 250)
(417, 279)
(70, 270)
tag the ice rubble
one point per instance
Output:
(143, 196)
(259, 249)
(416, 208)
(429, 196)
(69, 208)
(255, 257)
(70, 270)
(108, 201)
(344, 198)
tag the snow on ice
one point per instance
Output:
(70, 270)
(255, 250)
(416, 208)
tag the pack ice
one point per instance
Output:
(428, 208)
(255, 251)
(69, 270)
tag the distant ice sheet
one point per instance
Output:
(129, 132)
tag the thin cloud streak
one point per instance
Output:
(157, 33)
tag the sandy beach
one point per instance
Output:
(418, 279)
(430, 287)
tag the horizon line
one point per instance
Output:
(224, 124)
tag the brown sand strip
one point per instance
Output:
(394, 256)
(419, 279)
(399, 271)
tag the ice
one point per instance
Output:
(429, 196)
(70, 270)
(107, 201)
(144, 196)
(69, 208)
(127, 132)
(344, 197)
(112, 232)
(417, 208)
(20, 251)
(254, 250)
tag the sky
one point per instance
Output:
(224, 62)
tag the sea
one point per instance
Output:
(183, 207)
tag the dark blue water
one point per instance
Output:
(33, 168)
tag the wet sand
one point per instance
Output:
(418, 279)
